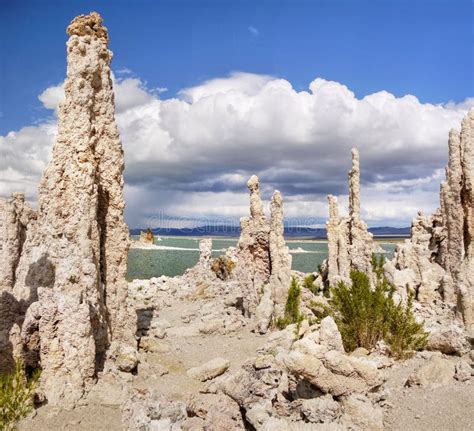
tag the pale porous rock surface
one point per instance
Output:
(263, 261)
(350, 244)
(209, 370)
(73, 263)
(16, 218)
(253, 250)
(437, 263)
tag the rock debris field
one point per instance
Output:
(207, 350)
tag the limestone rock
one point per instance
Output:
(147, 411)
(17, 218)
(338, 263)
(74, 261)
(209, 370)
(321, 361)
(438, 261)
(361, 414)
(333, 372)
(263, 266)
(253, 250)
(320, 409)
(217, 411)
(464, 371)
(350, 244)
(448, 338)
(264, 311)
(280, 277)
(435, 372)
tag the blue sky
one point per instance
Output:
(404, 47)
(210, 92)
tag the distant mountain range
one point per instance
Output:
(234, 231)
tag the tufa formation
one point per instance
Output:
(437, 263)
(350, 244)
(70, 277)
(263, 260)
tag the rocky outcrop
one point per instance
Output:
(263, 266)
(145, 411)
(253, 250)
(350, 244)
(338, 263)
(437, 263)
(74, 261)
(302, 382)
(147, 237)
(16, 219)
(280, 258)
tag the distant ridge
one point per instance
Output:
(234, 231)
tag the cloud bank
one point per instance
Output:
(191, 155)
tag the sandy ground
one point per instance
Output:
(449, 408)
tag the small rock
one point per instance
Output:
(209, 370)
(263, 361)
(463, 371)
(321, 409)
(360, 351)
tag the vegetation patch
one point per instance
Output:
(366, 315)
(292, 307)
(16, 396)
(309, 284)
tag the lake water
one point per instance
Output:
(145, 264)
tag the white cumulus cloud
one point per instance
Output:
(191, 155)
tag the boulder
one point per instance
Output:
(361, 414)
(437, 371)
(320, 409)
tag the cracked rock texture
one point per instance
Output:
(350, 244)
(73, 263)
(437, 263)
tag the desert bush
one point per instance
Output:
(366, 314)
(222, 267)
(292, 306)
(16, 396)
(308, 283)
(405, 334)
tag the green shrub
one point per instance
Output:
(361, 313)
(292, 306)
(405, 334)
(366, 315)
(308, 283)
(16, 396)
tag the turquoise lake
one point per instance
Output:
(146, 264)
